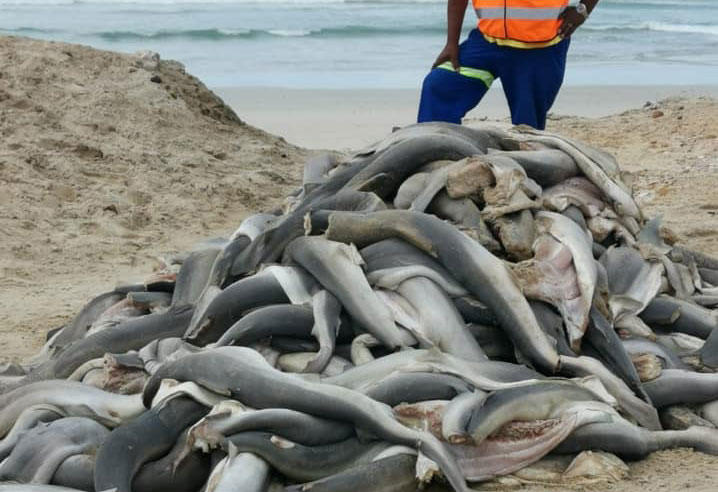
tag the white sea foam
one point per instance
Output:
(290, 33)
(684, 28)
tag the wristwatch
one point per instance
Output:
(581, 9)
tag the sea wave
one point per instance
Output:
(685, 28)
(711, 29)
(358, 31)
(343, 32)
(217, 34)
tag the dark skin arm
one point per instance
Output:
(572, 20)
(454, 18)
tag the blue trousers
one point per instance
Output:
(531, 79)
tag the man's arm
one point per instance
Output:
(455, 12)
(572, 20)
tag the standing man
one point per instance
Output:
(522, 42)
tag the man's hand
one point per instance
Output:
(571, 21)
(450, 53)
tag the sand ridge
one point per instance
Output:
(102, 168)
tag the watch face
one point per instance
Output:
(581, 9)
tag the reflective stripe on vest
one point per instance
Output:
(550, 13)
(473, 73)
(528, 21)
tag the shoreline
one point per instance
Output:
(342, 119)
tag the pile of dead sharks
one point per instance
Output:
(447, 306)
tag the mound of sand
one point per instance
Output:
(106, 160)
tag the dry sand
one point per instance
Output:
(102, 169)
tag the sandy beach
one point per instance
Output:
(350, 119)
(107, 162)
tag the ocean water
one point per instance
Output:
(365, 43)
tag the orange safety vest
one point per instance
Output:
(528, 21)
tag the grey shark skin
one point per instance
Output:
(514, 445)
(253, 225)
(193, 276)
(72, 398)
(644, 413)
(547, 167)
(289, 345)
(578, 243)
(240, 471)
(465, 214)
(474, 311)
(644, 346)
(28, 419)
(457, 415)
(392, 474)
(532, 402)
(709, 352)
(484, 275)
(144, 439)
(76, 472)
(632, 442)
(43, 448)
(296, 426)
(487, 375)
(268, 321)
(176, 471)
(268, 246)
(632, 281)
(222, 265)
(336, 266)
(394, 253)
(297, 362)
(317, 168)
(552, 324)
(401, 160)
(245, 375)
(482, 138)
(326, 309)
(394, 164)
(680, 386)
(709, 275)
(709, 411)
(411, 387)
(601, 336)
(671, 314)
(303, 463)
(494, 342)
(412, 187)
(360, 349)
(150, 300)
(595, 165)
(574, 213)
(439, 320)
(230, 304)
(84, 319)
(129, 335)
(683, 255)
